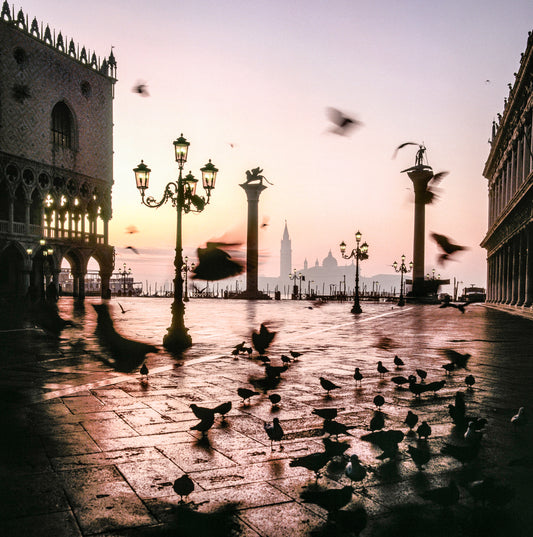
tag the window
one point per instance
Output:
(62, 125)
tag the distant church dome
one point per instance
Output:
(329, 261)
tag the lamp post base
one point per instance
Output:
(177, 340)
(356, 308)
(401, 302)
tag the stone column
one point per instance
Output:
(509, 274)
(420, 176)
(529, 267)
(515, 258)
(521, 268)
(253, 190)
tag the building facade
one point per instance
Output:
(509, 238)
(56, 157)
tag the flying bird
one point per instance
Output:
(448, 248)
(131, 230)
(141, 88)
(519, 419)
(343, 124)
(134, 250)
(402, 146)
(122, 310)
(261, 340)
(216, 264)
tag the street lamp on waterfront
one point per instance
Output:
(297, 277)
(182, 195)
(124, 273)
(402, 269)
(186, 268)
(360, 253)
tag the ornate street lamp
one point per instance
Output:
(360, 253)
(297, 277)
(124, 273)
(402, 269)
(182, 195)
(186, 268)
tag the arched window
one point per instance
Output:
(62, 125)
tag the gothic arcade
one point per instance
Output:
(56, 157)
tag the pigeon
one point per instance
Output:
(399, 380)
(141, 88)
(183, 486)
(459, 361)
(470, 381)
(273, 372)
(328, 499)
(223, 409)
(274, 431)
(215, 264)
(334, 428)
(314, 462)
(424, 430)
(448, 368)
(410, 420)
(295, 354)
(377, 422)
(245, 393)
(127, 354)
(354, 469)
(343, 123)
(382, 369)
(435, 386)
(444, 496)
(472, 434)
(447, 247)
(379, 401)
(326, 413)
(420, 456)
(457, 411)
(519, 419)
(261, 340)
(402, 146)
(275, 398)
(334, 448)
(204, 425)
(285, 359)
(144, 370)
(422, 374)
(358, 376)
(387, 441)
(240, 347)
(328, 385)
(201, 412)
(398, 362)
(415, 388)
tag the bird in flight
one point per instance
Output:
(448, 248)
(215, 263)
(141, 88)
(134, 250)
(131, 230)
(343, 124)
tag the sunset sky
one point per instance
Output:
(260, 75)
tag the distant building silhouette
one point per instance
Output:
(509, 238)
(285, 257)
(56, 157)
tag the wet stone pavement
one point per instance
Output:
(87, 450)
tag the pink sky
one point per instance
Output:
(261, 74)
